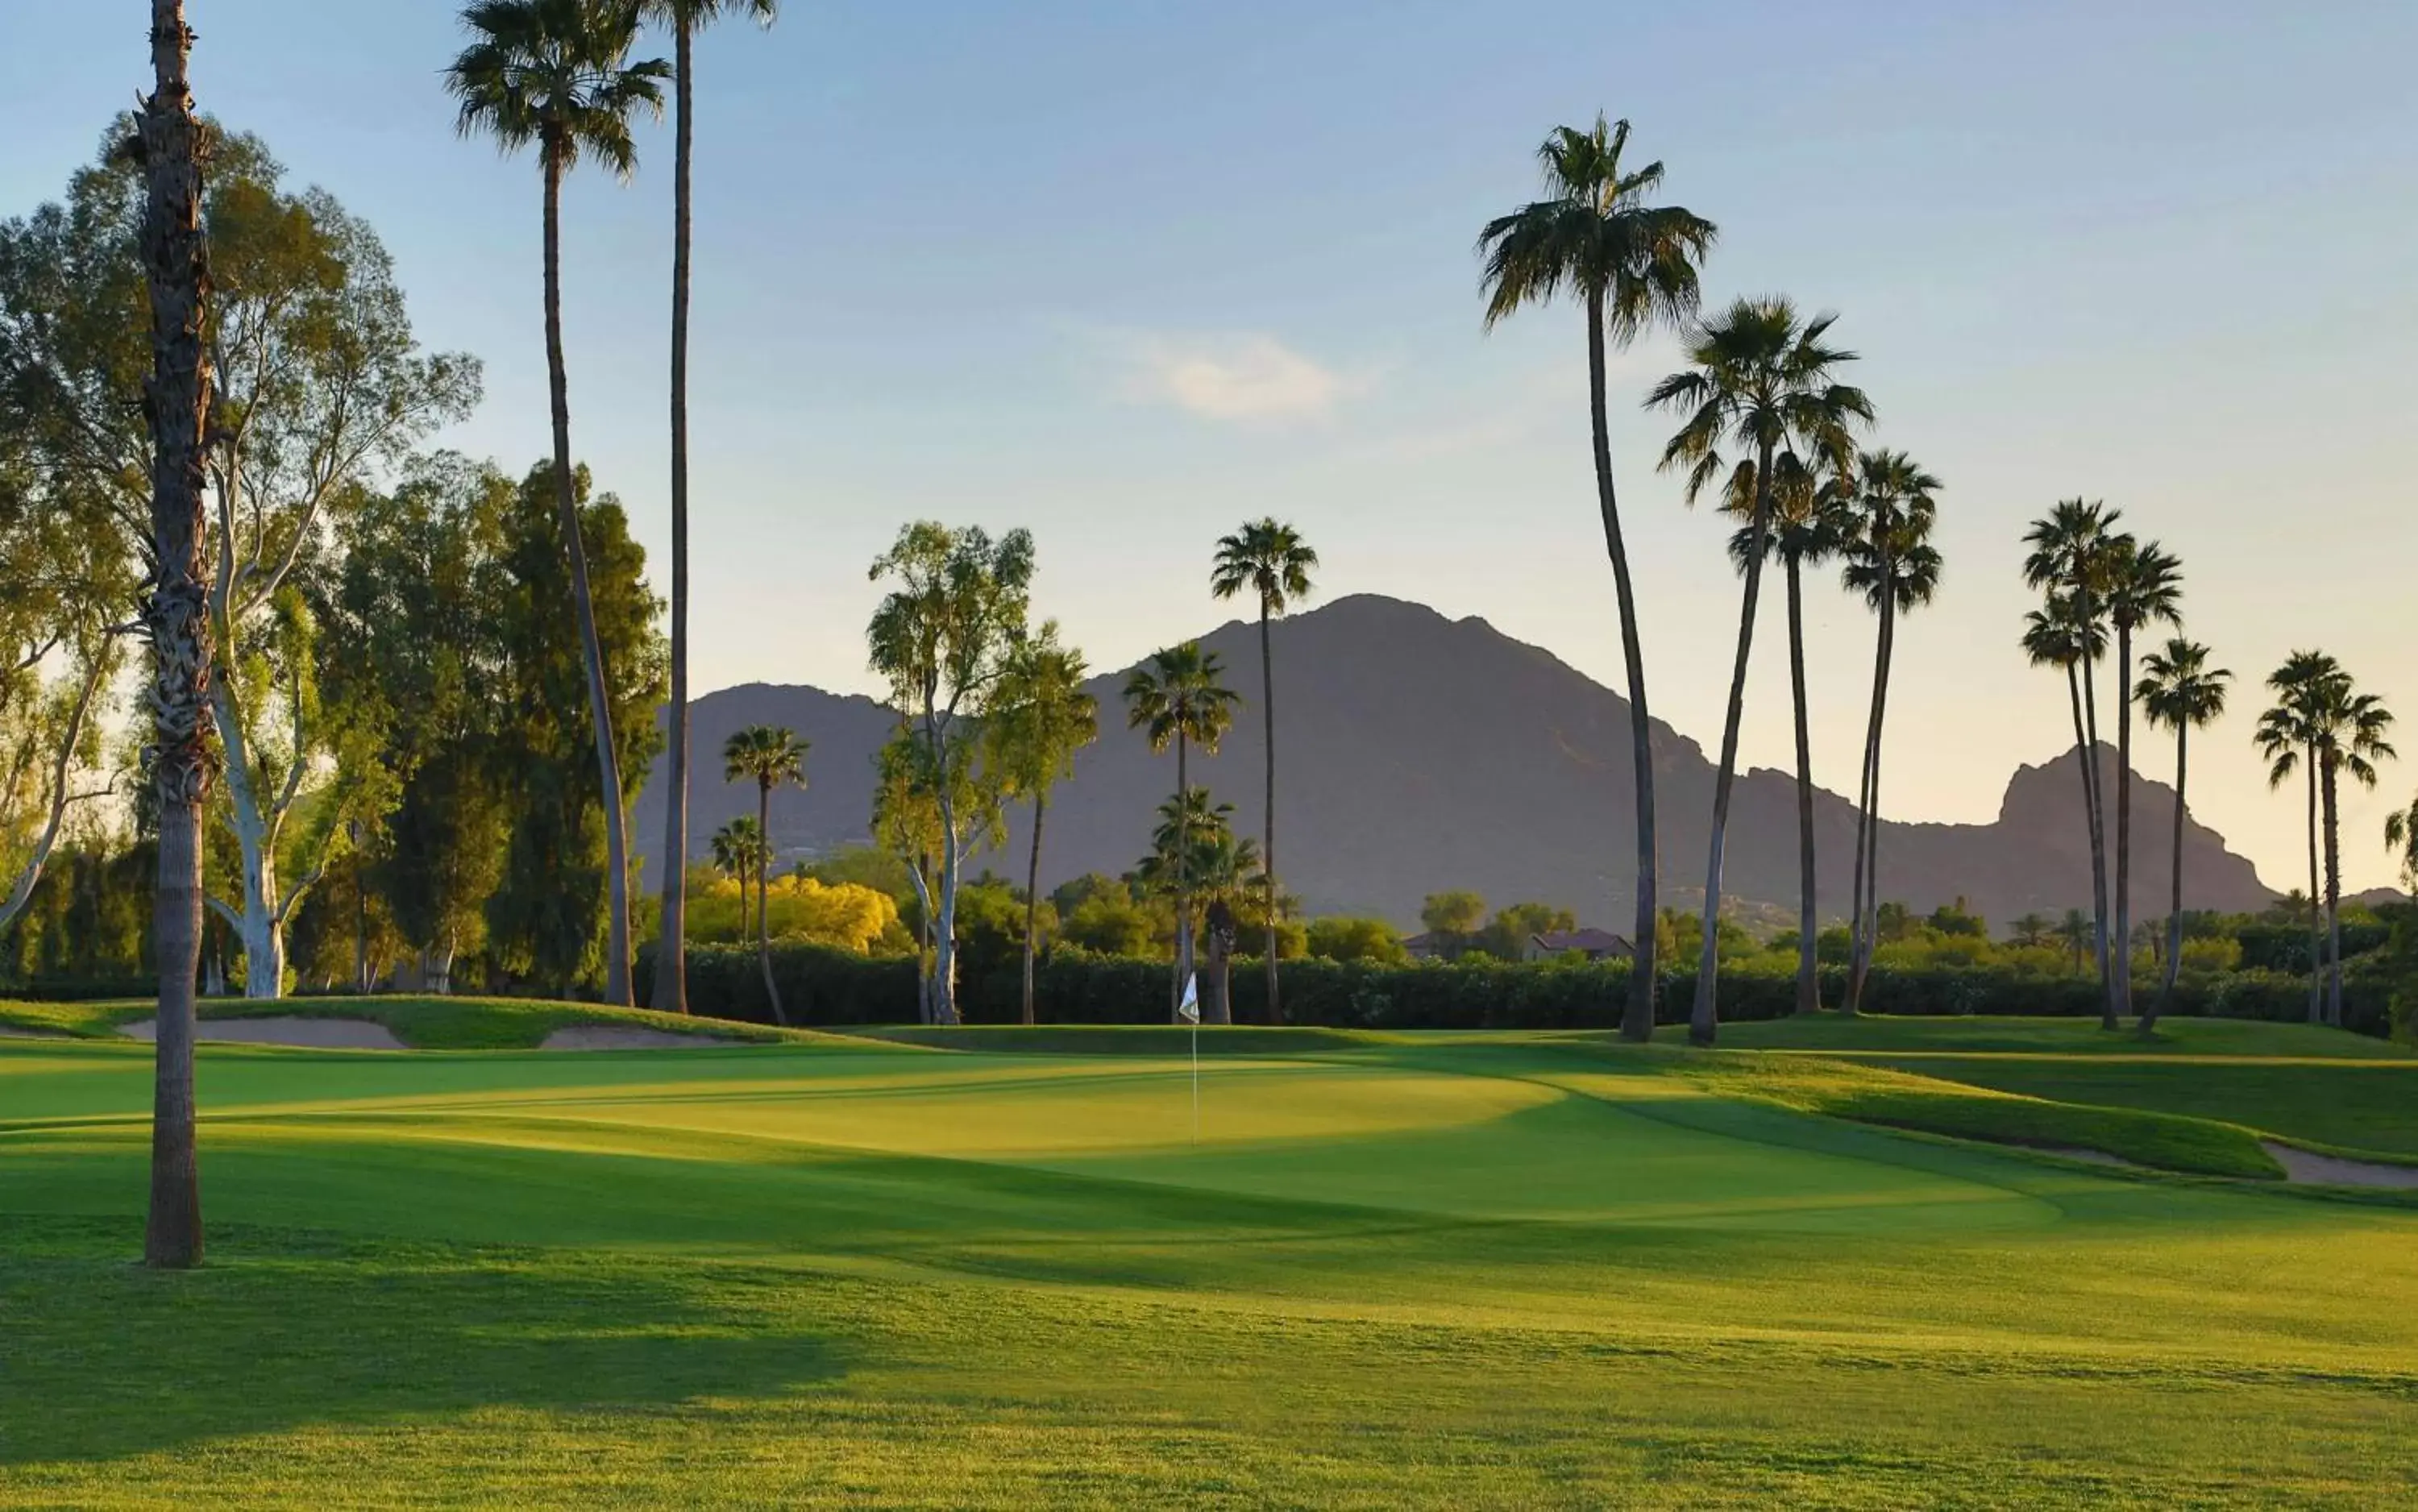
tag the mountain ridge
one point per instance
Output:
(1418, 753)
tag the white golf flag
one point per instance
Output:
(1189, 1009)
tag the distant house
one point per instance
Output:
(1594, 944)
(1426, 947)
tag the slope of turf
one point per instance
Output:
(422, 1023)
(1414, 1271)
(1977, 1035)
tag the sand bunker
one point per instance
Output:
(613, 1037)
(310, 1033)
(2333, 1170)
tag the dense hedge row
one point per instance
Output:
(820, 985)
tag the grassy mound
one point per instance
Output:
(422, 1023)
(1125, 1039)
(1975, 1035)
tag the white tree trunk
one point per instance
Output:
(262, 924)
(944, 934)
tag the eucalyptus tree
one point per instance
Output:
(1632, 266)
(1808, 526)
(176, 614)
(2180, 691)
(2144, 588)
(1891, 503)
(944, 638)
(1270, 561)
(2287, 737)
(2070, 553)
(1176, 698)
(683, 18)
(1762, 380)
(556, 74)
(770, 755)
(1041, 717)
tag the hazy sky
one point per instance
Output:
(1129, 272)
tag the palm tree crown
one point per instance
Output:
(1177, 695)
(2143, 584)
(1889, 515)
(1761, 379)
(1269, 560)
(766, 754)
(556, 72)
(2179, 688)
(1595, 235)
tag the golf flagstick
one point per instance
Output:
(1189, 1011)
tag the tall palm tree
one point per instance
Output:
(1891, 503)
(1195, 844)
(2401, 836)
(2180, 691)
(2068, 560)
(1270, 560)
(2057, 634)
(1176, 697)
(2350, 728)
(1634, 265)
(1042, 717)
(176, 264)
(1760, 379)
(557, 74)
(2287, 736)
(772, 757)
(2145, 586)
(1809, 524)
(684, 18)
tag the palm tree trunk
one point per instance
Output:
(1872, 901)
(2317, 917)
(1183, 867)
(1637, 1017)
(764, 899)
(175, 618)
(608, 764)
(1033, 898)
(1859, 948)
(1702, 1020)
(2175, 901)
(2096, 802)
(1268, 837)
(2334, 901)
(2123, 981)
(671, 937)
(1809, 997)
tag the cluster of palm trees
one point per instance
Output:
(770, 755)
(558, 75)
(2323, 726)
(1178, 697)
(1770, 430)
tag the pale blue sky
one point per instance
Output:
(1125, 273)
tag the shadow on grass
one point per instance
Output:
(280, 1331)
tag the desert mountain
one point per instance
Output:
(1419, 753)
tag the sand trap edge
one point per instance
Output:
(301, 1033)
(619, 1037)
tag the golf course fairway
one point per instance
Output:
(1392, 1270)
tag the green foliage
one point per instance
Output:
(1110, 923)
(1505, 936)
(1371, 941)
(1452, 916)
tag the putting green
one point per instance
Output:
(1421, 1270)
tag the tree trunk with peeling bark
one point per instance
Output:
(176, 614)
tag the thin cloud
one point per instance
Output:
(1242, 377)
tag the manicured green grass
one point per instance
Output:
(1907, 1033)
(1398, 1271)
(422, 1023)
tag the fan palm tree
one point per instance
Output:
(2057, 634)
(2031, 931)
(1762, 380)
(2076, 929)
(2067, 561)
(2350, 728)
(684, 18)
(2180, 691)
(772, 757)
(1269, 560)
(557, 74)
(740, 853)
(1809, 524)
(1176, 698)
(1195, 842)
(2144, 588)
(1632, 265)
(2287, 736)
(1041, 717)
(2401, 835)
(1891, 503)
(175, 617)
